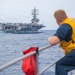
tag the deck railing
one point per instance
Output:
(27, 55)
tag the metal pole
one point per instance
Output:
(16, 60)
(21, 58)
(49, 66)
(45, 47)
(70, 72)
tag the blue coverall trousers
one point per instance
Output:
(64, 65)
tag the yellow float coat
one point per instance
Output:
(68, 46)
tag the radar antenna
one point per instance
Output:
(34, 13)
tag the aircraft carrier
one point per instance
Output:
(22, 28)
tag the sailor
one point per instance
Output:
(65, 36)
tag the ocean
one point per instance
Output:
(12, 45)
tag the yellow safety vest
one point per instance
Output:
(68, 46)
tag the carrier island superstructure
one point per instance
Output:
(22, 28)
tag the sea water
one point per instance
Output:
(12, 45)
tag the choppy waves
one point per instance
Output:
(12, 45)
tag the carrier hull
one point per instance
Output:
(23, 28)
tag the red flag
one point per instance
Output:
(29, 64)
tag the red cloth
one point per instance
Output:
(29, 64)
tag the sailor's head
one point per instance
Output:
(60, 16)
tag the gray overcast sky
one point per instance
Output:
(20, 10)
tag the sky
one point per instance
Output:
(19, 11)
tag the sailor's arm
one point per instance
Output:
(53, 40)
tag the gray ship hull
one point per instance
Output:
(23, 28)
